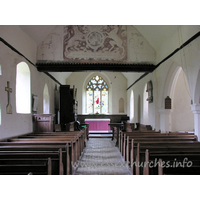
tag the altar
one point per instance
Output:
(100, 124)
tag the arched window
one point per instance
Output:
(97, 95)
(131, 106)
(46, 102)
(23, 89)
(0, 71)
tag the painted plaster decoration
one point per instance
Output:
(95, 43)
(50, 47)
(139, 48)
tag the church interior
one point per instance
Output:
(83, 94)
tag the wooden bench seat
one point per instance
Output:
(76, 147)
(13, 166)
(23, 155)
(136, 135)
(126, 143)
(174, 162)
(167, 152)
(37, 147)
(75, 141)
(64, 148)
(155, 142)
(75, 135)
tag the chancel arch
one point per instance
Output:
(46, 100)
(23, 88)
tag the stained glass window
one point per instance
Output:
(97, 95)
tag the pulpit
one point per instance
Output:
(43, 122)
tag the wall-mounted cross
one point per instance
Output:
(8, 107)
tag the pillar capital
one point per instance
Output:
(195, 108)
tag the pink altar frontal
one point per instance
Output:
(98, 124)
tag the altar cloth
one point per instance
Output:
(98, 124)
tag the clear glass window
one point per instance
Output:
(23, 88)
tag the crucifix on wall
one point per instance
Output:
(9, 90)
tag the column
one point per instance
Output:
(165, 120)
(196, 110)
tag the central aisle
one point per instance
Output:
(101, 157)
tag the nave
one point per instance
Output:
(101, 157)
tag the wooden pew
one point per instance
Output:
(31, 145)
(146, 137)
(167, 149)
(151, 134)
(176, 161)
(125, 140)
(78, 145)
(24, 166)
(123, 135)
(81, 137)
(67, 147)
(116, 127)
(17, 158)
(69, 138)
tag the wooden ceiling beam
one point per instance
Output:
(83, 67)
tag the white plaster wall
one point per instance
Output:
(117, 89)
(19, 40)
(188, 58)
(138, 90)
(182, 116)
(17, 124)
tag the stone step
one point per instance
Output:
(100, 135)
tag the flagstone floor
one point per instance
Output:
(101, 157)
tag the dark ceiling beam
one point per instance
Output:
(84, 67)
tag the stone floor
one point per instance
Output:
(101, 157)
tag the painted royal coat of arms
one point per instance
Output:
(95, 43)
